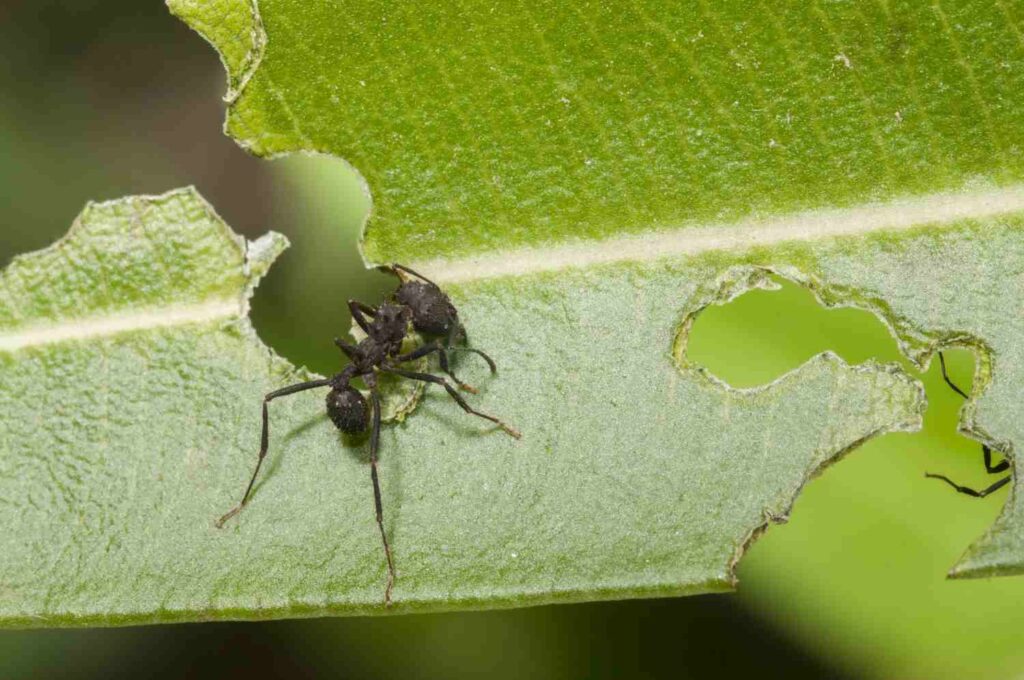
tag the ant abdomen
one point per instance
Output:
(348, 409)
(432, 313)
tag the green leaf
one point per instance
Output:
(131, 384)
(503, 143)
(235, 28)
(584, 181)
(482, 127)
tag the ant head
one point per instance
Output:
(391, 322)
(432, 311)
(348, 409)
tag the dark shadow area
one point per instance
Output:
(689, 637)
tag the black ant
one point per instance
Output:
(434, 315)
(424, 306)
(989, 467)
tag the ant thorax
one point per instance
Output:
(432, 311)
(390, 325)
(398, 397)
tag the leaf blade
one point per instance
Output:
(126, 534)
(481, 129)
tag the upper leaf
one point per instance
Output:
(480, 126)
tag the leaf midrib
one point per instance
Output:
(105, 325)
(898, 215)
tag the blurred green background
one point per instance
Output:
(103, 99)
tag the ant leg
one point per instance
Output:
(428, 349)
(989, 467)
(442, 359)
(490, 362)
(374, 444)
(426, 377)
(458, 332)
(348, 349)
(419, 352)
(970, 492)
(455, 333)
(358, 310)
(945, 376)
(395, 267)
(265, 438)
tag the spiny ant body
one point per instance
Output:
(426, 308)
(433, 316)
(986, 452)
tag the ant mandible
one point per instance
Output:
(986, 451)
(419, 303)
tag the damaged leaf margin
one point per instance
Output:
(936, 318)
(113, 494)
(728, 286)
(235, 30)
(531, 145)
(205, 272)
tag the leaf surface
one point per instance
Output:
(127, 432)
(521, 142)
(482, 127)
(584, 181)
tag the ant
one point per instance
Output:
(433, 315)
(989, 467)
(417, 302)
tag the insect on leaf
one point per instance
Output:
(583, 180)
(574, 143)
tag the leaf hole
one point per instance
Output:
(763, 334)
(301, 304)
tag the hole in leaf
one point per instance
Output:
(870, 541)
(320, 205)
(764, 334)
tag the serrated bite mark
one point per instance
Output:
(133, 264)
(919, 346)
(235, 30)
